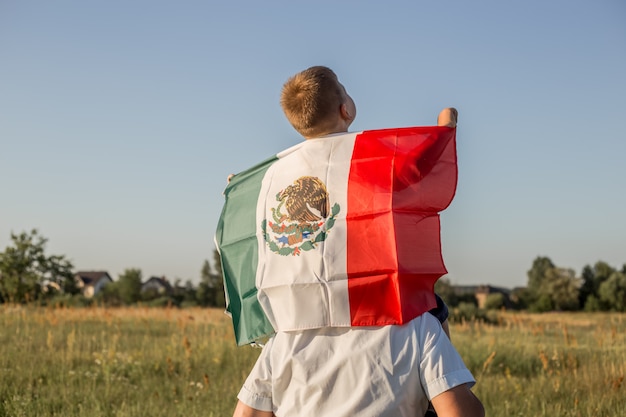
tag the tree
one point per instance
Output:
(592, 303)
(593, 277)
(587, 289)
(205, 293)
(612, 292)
(211, 288)
(129, 286)
(536, 276)
(109, 295)
(189, 293)
(25, 269)
(550, 287)
(218, 280)
(562, 286)
(444, 288)
(542, 304)
(520, 298)
(183, 295)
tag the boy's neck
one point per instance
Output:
(331, 132)
(344, 119)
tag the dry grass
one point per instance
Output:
(119, 362)
(557, 364)
(168, 362)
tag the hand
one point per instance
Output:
(448, 117)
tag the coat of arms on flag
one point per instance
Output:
(300, 220)
(337, 231)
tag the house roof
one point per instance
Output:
(160, 281)
(474, 289)
(488, 289)
(92, 277)
(465, 289)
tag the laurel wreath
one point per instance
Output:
(294, 228)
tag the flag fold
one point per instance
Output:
(337, 231)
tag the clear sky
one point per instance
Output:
(120, 120)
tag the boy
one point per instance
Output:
(354, 371)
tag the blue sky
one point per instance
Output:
(120, 120)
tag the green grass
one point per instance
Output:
(126, 362)
(554, 364)
(168, 362)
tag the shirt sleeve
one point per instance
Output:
(442, 368)
(256, 391)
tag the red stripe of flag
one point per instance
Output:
(399, 180)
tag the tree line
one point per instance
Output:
(600, 287)
(29, 275)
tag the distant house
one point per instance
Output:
(483, 291)
(465, 290)
(157, 286)
(479, 293)
(91, 282)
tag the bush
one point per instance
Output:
(592, 304)
(163, 301)
(466, 311)
(494, 301)
(543, 304)
(470, 312)
(188, 304)
(68, 300)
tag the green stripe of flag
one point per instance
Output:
(238, 245)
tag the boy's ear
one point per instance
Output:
(343, 110)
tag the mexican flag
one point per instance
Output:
(337, 231)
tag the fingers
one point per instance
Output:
(448, 117)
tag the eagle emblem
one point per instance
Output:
(302, 218)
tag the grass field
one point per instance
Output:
(168, 362)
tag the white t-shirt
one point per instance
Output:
(355, 371)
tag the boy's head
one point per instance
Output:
(316, 104)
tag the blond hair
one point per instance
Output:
(311, 100)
